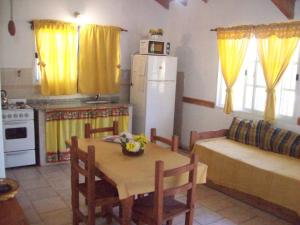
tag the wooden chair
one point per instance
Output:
(96, 193)
(88, 131)
(160, 207)
(174, 142)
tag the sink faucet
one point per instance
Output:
(97, 97)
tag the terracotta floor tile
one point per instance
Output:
(206, 216)
(49, 169)
(41, 193)
(56, 175)
(215, 203)
(9, 173)
(179, 220)
(24, 201)
(60, 183)
(264, 215)
(237, 214)
(49, 204)
(223, 222)
(26, 173)
(32, 216)
(33, 183)
(57, 217)
(262, 221)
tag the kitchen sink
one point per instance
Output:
(97, 102)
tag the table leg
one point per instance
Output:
(126, 206)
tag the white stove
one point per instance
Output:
(18, 134)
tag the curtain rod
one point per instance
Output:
(31, 26)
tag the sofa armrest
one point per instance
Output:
(195, 136)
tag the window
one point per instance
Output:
(249, 91)
(37, 73)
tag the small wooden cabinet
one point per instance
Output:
(11, 213)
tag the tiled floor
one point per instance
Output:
(45, 196)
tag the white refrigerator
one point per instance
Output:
(152, 94)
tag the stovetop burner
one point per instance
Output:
(17, 106)
(14, 104)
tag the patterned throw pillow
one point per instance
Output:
(239, 129)
(282, 141)
(248, 131)
(295, 148)
(257, 132)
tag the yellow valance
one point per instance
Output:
(238, 32)
(281, 30)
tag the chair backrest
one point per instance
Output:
(173, 143)
(83, 163)
(161, 192)
(88, 131)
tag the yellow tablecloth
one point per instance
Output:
(135, 175)
(270, 176)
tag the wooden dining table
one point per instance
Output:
(135, 175)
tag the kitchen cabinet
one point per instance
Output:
(57, 123)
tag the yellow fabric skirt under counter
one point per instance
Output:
(61, 125)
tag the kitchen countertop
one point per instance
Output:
(51, 105)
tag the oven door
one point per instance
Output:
(18, 135)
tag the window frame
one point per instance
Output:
(221, 90)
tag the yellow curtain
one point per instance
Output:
(232, 45)
(99, 59)
(56, 44)
(62, 125)
(276, 45)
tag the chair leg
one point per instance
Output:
(91, 215)
(140, 222)
(108, 214)
(170, 222)
(75, 207)
(75, 220)
(120, 211)
(189, 217)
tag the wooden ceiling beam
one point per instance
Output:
(287, 7)
(166, 3)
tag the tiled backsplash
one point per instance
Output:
(19, 83)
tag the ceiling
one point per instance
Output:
(287, 7)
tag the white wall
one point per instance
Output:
(195, 45)
(135, 15)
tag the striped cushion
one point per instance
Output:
(248, 131)
(295, 148)
(257, 132)
(282, 141)
(239, 129)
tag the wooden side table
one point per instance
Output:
(11, 213)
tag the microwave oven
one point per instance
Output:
(154, 47)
